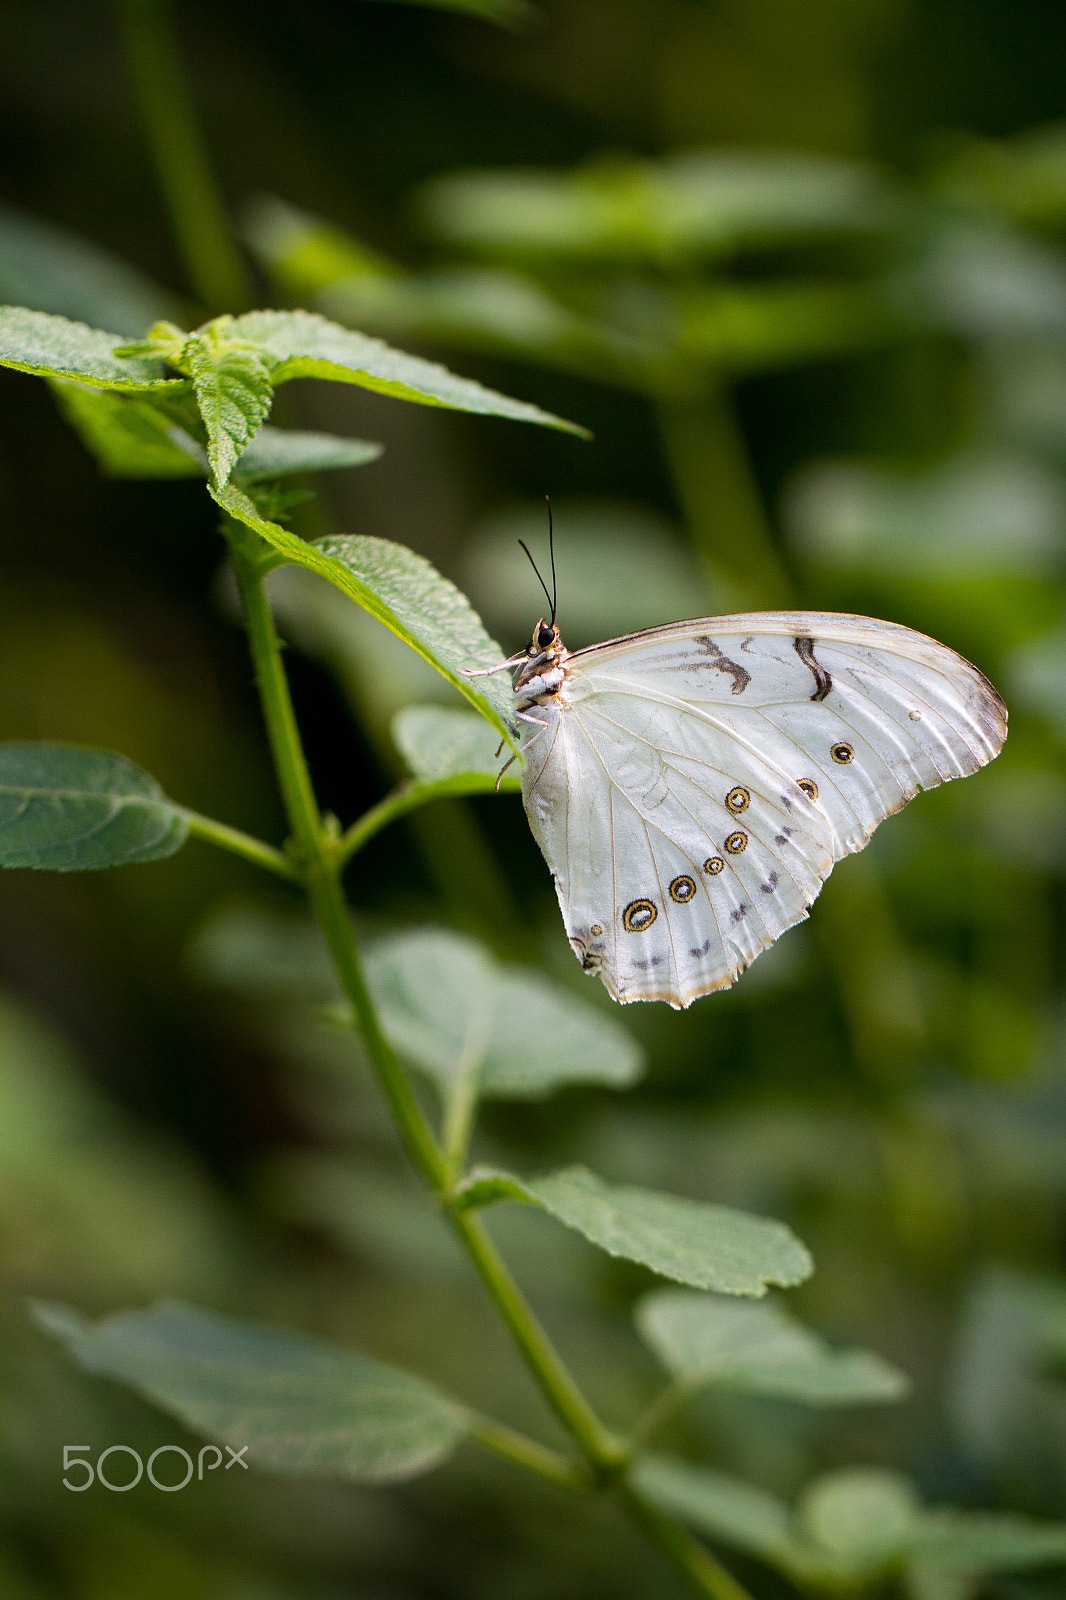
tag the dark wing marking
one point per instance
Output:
(804, 648)
(740, 675)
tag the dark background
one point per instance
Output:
(889, 1078)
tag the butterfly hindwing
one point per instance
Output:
(693, 785)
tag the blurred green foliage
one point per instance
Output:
(803, 271)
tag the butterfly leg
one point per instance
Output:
(517, 660)
(542, 727)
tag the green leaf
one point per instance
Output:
(453, 1012)
(104, 1206)
(926, 1582)
(265, 953)
(405, 592)
(981, 512)
(758, 1349)
(479, 308)
(985, 281)
(233, 390)
(752, 327)
(717, 1505)
(299, 344)
(142, 436)
(53, 347)
(278, 452)
(49, 269)
(424, 609)
(1023, 176)
(68, 809)
(300, 1405)
(706, 1246)
(980, 1542)
(863, 1518)
(304, 253)
(131, 436)
(702, 203)
(438, 744)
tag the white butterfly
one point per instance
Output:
(692, 785)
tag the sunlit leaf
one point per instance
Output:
(478, 308)
(1022, 177)
(64, 808)
(299, 344)
(758, 1349)
(233, 391)
(299, 1405)
(749, 327)
(455, 1013)
(53, 347)
(706, 1246)
(304, 253)
(403, 591)
(703, 202)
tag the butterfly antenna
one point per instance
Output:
(540, 580)
(551, 552)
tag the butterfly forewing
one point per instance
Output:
(691, 786)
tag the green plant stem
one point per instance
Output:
(407, 797)
(720, 501)
(317, 855)
(686, 1551)
(241, 844)
(529, 1453)
(605, 1454)
(217, 273)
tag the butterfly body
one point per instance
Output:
(691, 786)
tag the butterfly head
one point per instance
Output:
(542, 670)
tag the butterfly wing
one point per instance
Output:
(694, 784)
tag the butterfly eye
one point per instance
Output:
(545, 637)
